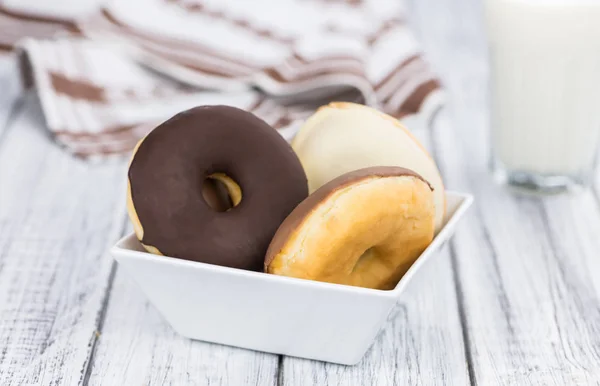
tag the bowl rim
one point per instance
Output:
(119, 252)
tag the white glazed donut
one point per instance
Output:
(342, 137)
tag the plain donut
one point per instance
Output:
(364, 228)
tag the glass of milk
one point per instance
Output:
(545, 91)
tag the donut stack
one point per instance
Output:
(354, 200)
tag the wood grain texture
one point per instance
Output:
(527, 267)
(526, 271)
(57, 217)
(522, 293)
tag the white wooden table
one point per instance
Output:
(514, 299)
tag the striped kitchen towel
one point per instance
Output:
(106, 78)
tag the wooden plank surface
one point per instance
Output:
(57, 216)
(528, 268)
(522, 274)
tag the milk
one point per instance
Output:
(545, 87)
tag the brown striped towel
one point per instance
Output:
(106, 78)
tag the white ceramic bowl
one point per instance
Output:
(276, 314)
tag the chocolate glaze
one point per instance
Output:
(293, 221)
(168, 171)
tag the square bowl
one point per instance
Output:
(281, 315)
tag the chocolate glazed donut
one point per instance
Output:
(261, 171)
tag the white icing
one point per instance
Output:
(335, 141)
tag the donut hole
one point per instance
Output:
(365, 258)
(220, 192)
